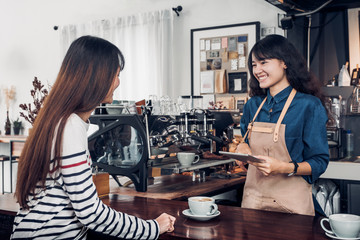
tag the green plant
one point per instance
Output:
(17, 123)
(39, 93)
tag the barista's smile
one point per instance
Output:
(261, 77)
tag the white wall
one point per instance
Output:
(30, 47)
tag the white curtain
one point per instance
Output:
(145, 40)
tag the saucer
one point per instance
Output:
(335, 237)
(189, 214)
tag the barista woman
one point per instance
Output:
(55, 190)
(284, 124)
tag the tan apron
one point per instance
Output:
(279, 192)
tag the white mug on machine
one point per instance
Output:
(187, 158)
(342, 225)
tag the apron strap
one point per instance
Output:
(252, 122)
(282, 115)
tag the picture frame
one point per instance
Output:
(251, 29)
(237, 82)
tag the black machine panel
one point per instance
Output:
(119, 147)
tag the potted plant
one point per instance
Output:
(38, 94)
(17, 125)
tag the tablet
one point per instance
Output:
(242, 157)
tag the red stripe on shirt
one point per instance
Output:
(74, 165)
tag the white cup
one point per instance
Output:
(187, 158)
(343, 225)
(201, 205)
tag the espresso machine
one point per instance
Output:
(195, 128)
(129, 144)
(335, 133)
(336, 142)
(341, 107)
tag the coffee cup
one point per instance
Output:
(187, 158)
(201, 205)
(342, 225)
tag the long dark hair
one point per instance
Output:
(84, 79)
(300, 78)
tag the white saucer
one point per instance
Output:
(189, 214)
(335, 237)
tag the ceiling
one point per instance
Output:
(298, 6)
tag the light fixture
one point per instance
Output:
(177, 10)
(286, 22)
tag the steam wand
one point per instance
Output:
(147, 112)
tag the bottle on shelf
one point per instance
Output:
(349, 143)
(355, 100)
(7, 124)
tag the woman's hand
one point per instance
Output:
(270, 166)
(166, 222)
(245, 149)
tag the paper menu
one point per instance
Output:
(207, 81)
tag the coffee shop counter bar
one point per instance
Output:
(232, 223)
(180, 187)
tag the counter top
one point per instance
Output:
(232, 223)
(179, 187)
(8, 204)
(343, 170)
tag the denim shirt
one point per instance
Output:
(305, 131)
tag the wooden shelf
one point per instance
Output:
(8, 138)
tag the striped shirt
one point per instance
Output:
(69, 204)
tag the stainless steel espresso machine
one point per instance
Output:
(195, 128)
(343, 109)
(132, 144)
(335, 132)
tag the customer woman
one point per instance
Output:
(54, 188)
(284, 125)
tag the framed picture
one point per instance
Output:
(207, 82)
(354, 37)
(237, 82)
(221, 47)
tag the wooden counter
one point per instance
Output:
(180, 187)
(233, 222)
(8, 205)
